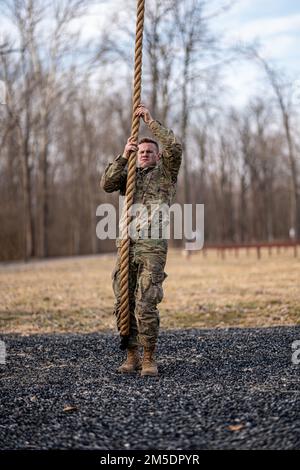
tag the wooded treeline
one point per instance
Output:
(67, 114)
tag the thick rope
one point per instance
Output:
(124, 314)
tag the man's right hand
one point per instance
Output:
(130, 147)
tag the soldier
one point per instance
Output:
(156, 178)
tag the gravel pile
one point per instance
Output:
(217, 389)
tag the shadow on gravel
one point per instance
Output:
(217, 389)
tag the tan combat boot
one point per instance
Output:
(149, 366)
(132, 363)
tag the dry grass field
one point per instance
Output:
(75, 295)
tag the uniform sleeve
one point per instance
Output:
(171, 148)
(115, 176)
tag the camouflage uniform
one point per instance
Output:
(155, 184)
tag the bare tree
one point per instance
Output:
(282, 93)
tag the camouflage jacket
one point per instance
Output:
(155, 184)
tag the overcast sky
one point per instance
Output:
(276, 25)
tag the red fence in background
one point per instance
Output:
(272, 246)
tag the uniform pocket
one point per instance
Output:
(114, 272)
(157, 278)
(165, 186)
(115, 281)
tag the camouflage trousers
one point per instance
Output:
(147, 259)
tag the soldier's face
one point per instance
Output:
(147, 155)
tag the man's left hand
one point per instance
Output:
(144, 113)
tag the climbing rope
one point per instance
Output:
(123, 319)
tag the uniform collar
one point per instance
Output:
(143, 171)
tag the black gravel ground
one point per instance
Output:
(218, 389)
